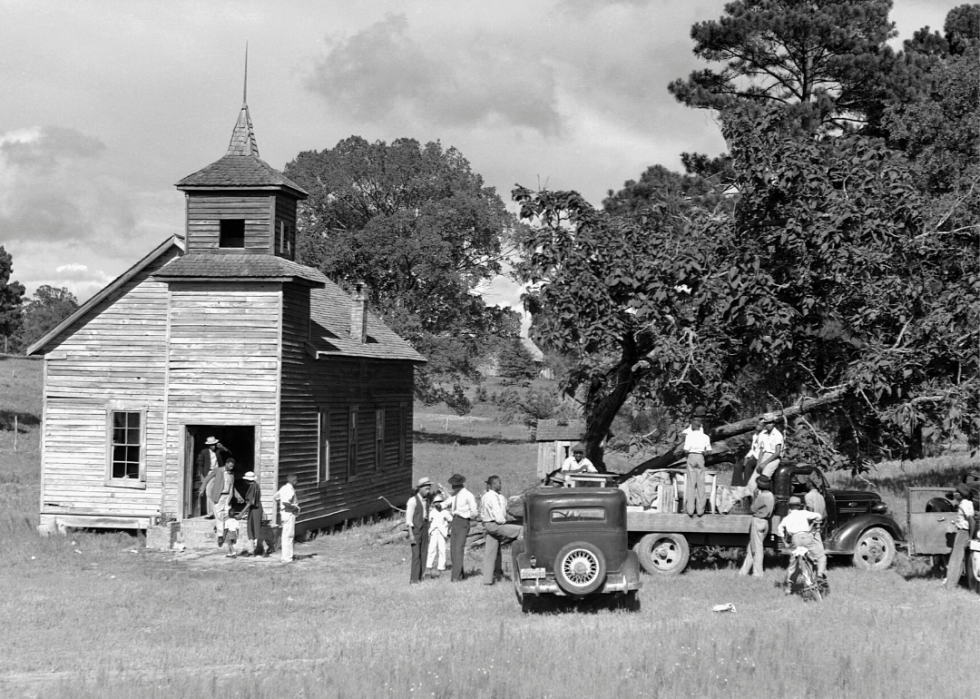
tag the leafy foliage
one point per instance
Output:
(420, 228)
(516, 363)
(11, 296)
(48, 307)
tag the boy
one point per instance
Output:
(231, 534)
(438, 534)
(795, 531)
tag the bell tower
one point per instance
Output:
(240, 204)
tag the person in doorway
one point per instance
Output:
(696, 446)
(796, 530)
(464, 510)
(763, 503)
(964, 518)
(417, 519)
(252, 515)
(438, 535)
(288, 509)
(493, 512)
(211, 458)
(220, 493)
(578, 462)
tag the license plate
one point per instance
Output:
(532, 573)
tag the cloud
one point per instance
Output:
(464, 79)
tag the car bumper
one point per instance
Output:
(615, 582)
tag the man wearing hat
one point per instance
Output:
(493, 512)
(439, 520)
(578, 462)
(795, 530)
(462, 505)
(964, 518)
(222, 490)
(770, 448)
(696, 446)
(417, 519)
(211, 458)
(762, 507)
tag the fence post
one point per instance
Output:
(15, 433)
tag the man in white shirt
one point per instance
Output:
(417, 519)
(578, 462)
(464, 509)
(964, 513)
(696, 445)
(288, 509)
(795, 530)
(493, 512)
(746, 467)
(771, 449)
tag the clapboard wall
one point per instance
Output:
(223, 369)
(206, 209)
(114, 357)
(331, 386)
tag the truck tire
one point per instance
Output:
(663, 554)
(875, 550)
(580, 568)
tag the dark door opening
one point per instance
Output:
(239, 440)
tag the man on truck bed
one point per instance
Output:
(795, 531)
(696, 445)
(771, 446)
(578, 462)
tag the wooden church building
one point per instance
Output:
(221, 333)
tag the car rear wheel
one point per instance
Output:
(663, 554)
(580, 568)
(875, 550)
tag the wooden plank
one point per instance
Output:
(638, 520)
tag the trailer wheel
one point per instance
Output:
(663, 554)
(875, 550)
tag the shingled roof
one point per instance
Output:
(223, 266)
(241, 166)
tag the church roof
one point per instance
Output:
(241, 166)
(237, 266)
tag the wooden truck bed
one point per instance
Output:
(640, 520)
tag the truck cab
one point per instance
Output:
(575, 546)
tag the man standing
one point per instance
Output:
(771, 448)
(417, 519)
(288, 509)
(743, 469)
(696, 445)
(964, 517)
(762, 507)
(463, 507)
(578, 462)
(211, 458)
(493, 512)
(222, 490)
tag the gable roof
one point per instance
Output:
(551, 431)
(106, 293)
(204, 266)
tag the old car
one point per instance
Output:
(575, 547)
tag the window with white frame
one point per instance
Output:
(126, 460)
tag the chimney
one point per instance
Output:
(358, 314)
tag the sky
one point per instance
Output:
(107, 104)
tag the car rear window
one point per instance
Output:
(578, 514)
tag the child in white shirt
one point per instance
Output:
(438, 533)
(231, 534)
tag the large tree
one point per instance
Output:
(819, 288)
(821, 60)
(46, 308)
(422, 230)
(11, 297)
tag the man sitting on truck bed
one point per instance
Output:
(795, 531)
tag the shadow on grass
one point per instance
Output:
(24, 420)
(461, 440)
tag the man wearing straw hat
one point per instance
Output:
(417, 519)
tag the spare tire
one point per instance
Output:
(580, 568)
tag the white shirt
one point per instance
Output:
(493, 507)
(756, 448)
(439, 521)
(965, 512)
(286, 495)
(570, 464)
(697, 442)
(768, 441)
(796, 522)
(463, 504)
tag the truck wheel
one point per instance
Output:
(663, 554)
(580, 568)
(875, 550)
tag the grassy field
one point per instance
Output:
(95, 615)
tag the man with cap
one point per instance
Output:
(795, 530)
(417, 519)
(222, 482)
(462, 505)
(744, 468)
(696, 446)
(964, 518)
(493, 512)
(578, 462)
(211, 458)
(770, 448)
(762, 507)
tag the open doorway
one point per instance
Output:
(239, 440)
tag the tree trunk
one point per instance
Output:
(732, 429)
(600, 417)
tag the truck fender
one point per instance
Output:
(845, 539)
(631, 567)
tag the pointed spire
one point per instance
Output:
(243, 137)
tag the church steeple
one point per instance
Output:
(243, 137)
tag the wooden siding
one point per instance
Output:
(333, 385)
(223, 365)
(114, 357)
(206, 209)
(286, 213)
